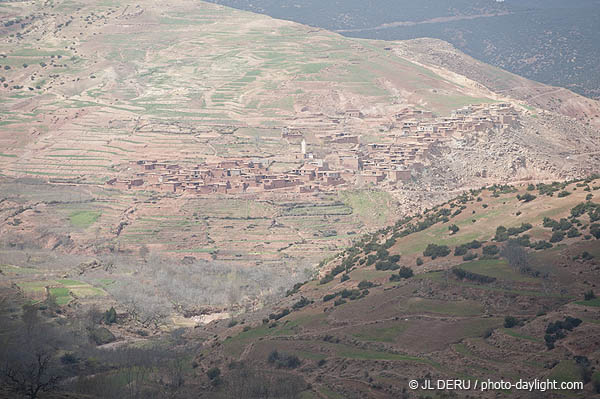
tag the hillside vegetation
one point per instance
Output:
(473, 288)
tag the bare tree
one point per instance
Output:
(244, 382)
(516, 256)
(27, 360)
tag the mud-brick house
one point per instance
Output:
(353, 113)
(370, 178)
(398, 175)
(306, 188)
(170, 186)
(350, 162)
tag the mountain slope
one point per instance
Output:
(548, 41)
(366, 327)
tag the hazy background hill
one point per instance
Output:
(554, 42)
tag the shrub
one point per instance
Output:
(110, 316)
(510, 321)
(419, 261)
(563, 193)
(328, 278)
(595, 378)
(301, 303)
(460, 250)
(573, 232)
(453, 228)
(474, 244)
(405, 272)
(587, 256)
(589, 295)
(294, 289)
(557, 236)
(462, 274)
(371, 259)
(329, 297)
(386, 265)
(501, 234)
(527, 197)
(68, 358)
(365, 284)
(277, 316)
(382, 253)
(213, 373)
(435, 251)
(543, 244)
(556, 330)
(394, 258)
(595, 230)
(345, 277)
(283, 360)
(490, 250)
(564, 225)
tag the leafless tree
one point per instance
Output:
(244, 382)
(28, 355)
(516, 256)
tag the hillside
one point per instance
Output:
(548, 41)
(478, 307)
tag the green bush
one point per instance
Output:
(213, 373)
(110, 316)
(527, 197)
(543, 244)
(589, 295)
(460, 250)
(462, 274)
(277, 316)
(301, 303)
(557, 236)
(510, 321)
(573, 232)
(436, 251)
(595, 230)
(329, 297)
(328, 278)
(405, 272)
(365, 284)
(491, 250)
(283, 360)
